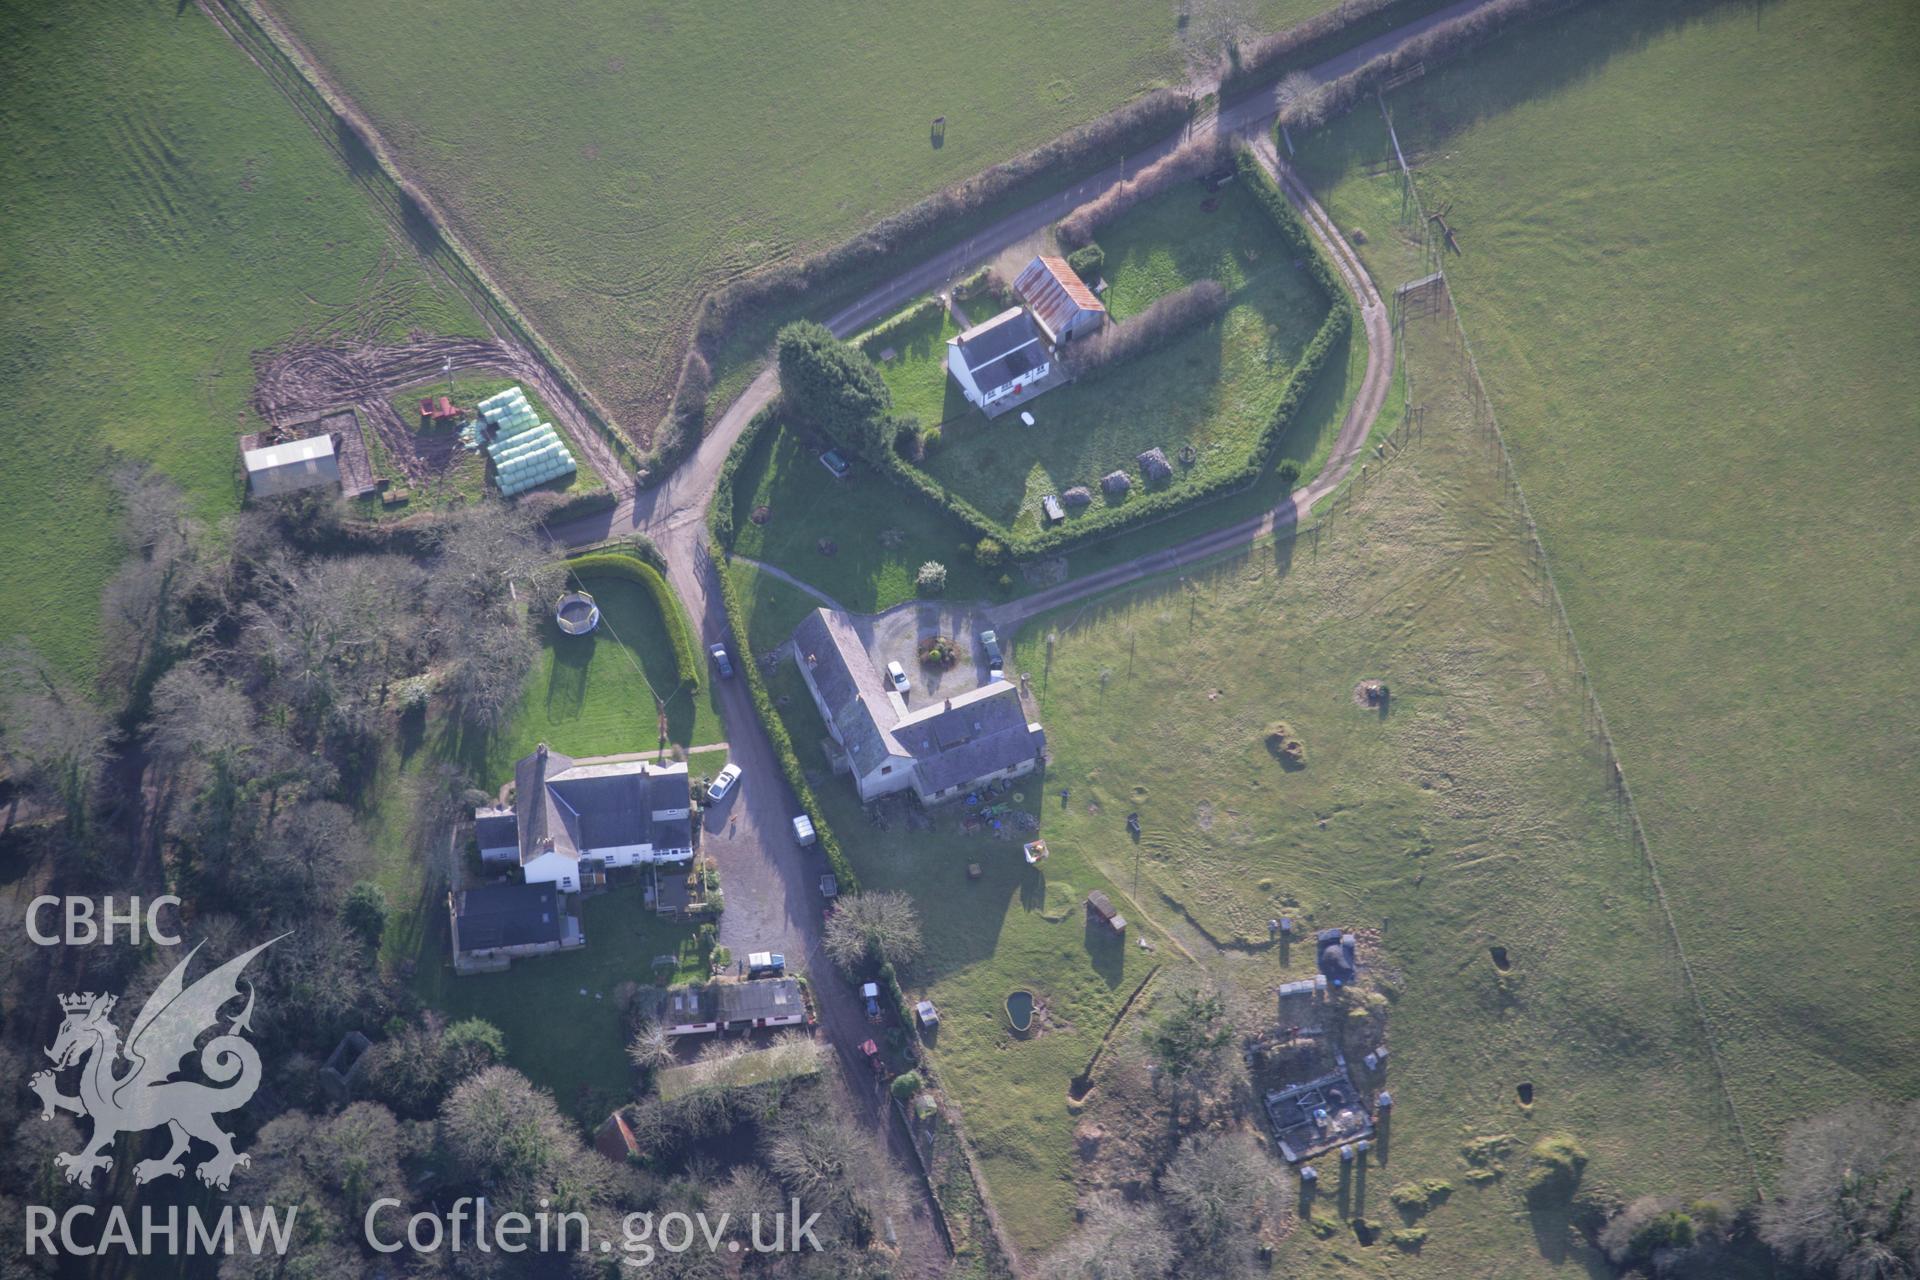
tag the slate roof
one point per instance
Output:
(508, 915)
(582, 807)
(968, 736)
(850, 686)
(496, 829)
(1056, 293)
(1002, 349)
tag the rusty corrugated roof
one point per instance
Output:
(1055, 293)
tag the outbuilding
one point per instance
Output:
(1059, 299)
(291, 467)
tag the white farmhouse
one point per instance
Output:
(573, 820)
(999, 358)
(939, 752)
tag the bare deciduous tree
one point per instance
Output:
(1117, 1241)
(1847, 1190)
(1219, 1189)
(53, 738)
(882, 926)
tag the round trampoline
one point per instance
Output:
(576, 614)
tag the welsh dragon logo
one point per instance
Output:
(143, 1095)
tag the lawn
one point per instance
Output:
(1691, 274)
(1472, 812)
(773, 608)
(1214, 389)
(1013, 928)
(881, 534)
(167, 215)
(562, 1021)
(586, 696)
(621, 163)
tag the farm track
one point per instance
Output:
(759, 862)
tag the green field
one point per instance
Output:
(167, 215)
(1214, 389)
(612, 166)
(1690, 271)
(1473, 813)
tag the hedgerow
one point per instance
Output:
(622, 564)
(1148, 507)
(1193, 158)
(777, 731)
(1165, 319)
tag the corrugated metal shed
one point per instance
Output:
(291, 467)
(1059, 299)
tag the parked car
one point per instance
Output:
(996, 665)
(870, 992)
(723, 782)
(838, 465)
(721, 661)
(897, 676)
(803, 830)
(766, 964)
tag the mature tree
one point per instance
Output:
(144, 607)
(328, 638)
(748, 1190)
(1116, 1241)
(651, 1047)
(509, 1137)
(469, 1047)
(1848, 1193)
(407, 1069)
(833, 1166)
(882, 927)
(307, 858)
(490, 558)
(316, 984)
(365, 912)
(52, 737)
(332, 1168)
(833, 386)
(1664, 1237)
(1188, 1040)
(1218, 1188)
(484, 678)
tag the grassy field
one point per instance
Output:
(1214, 389)
(563, 1025)
(167, 216)
(619, 164)
(1690, 271)
(1472, 813)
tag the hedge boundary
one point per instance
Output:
(1161, 503)
(625, 564)
(418, 220)
(776, 728)
(1128, 127)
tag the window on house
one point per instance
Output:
(886, 768)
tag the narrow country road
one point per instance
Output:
(770, 883)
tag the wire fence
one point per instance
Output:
(1430, 296)
(331, 122)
